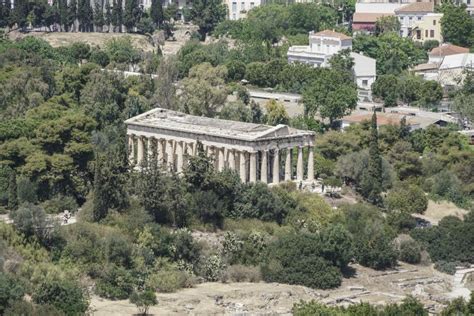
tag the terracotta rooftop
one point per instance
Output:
(448, 49)
(330, 33)
(422, 67)
(417, 7)
(360, 17)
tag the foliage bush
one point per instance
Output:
(115, 283)
(446, 266)
(64, 295)
(242, 273)
(306, 259)
(170, 280)
(59, 204)
(407, 198)
(10, 290)
(410, 252)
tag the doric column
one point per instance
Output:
(161, 148)
(140, 150)
(243, 167)
(310, 163)
(299, 166)
(221, 159)
(253, 167)
(150, 149)
(276, 166)
(288, 165)
(170, 154)
(231, 159)
(264, 167)
(131, 150)
(180, 154)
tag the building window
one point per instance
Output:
(401, 33)
(252, 4)
(434, 22)
(426, 33)
(419, 18)
(418, 34)
(468, 2)
(242, 6)
(409, 32)
(432, 33)
(365, 83)
(234, 6)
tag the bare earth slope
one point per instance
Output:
(377, 287)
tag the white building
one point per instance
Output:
(237, 9)
(323, 45)
(411, 15)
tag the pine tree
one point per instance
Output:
(404, 130)
(12, 192)
(20, 13)
(5, 12)
(372, 180)
(108, 15)
(132, 14)
(71, 14)
(156, 12)
(84, 15)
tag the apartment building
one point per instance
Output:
(237, 9)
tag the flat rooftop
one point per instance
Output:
(177, 121)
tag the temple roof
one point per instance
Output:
(200, 125)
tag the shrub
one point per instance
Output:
(30, 220)
(376, 251)
(301, 259)
(407, 198)
(401, 221)
(115, 283)
(410, 252)
(446, 267)
(169, 280)
(59, 204)
(143, 300)
(241, 273)
(26, 190)
(10, 291)
(211, 268)
(64, 295)
(26, 308)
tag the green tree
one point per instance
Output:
(66, 296)
(156, 12)
(31, 221)
(407, 198)
(372, 182)
(386, 87)
(387, 24)
(206, 14)
(456, 25)
(131, 15)
(204, 90)
(331, 94)
(99, 19)
(12, 192)
(464, 98)
(276, 113)
(11, 290)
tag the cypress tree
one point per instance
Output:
(100, 203)
(372, 180)
(84, 15)
(156, 12)
(404, 128)
(12, 192)
(131, 14)
(99, 15)
(71, 14)
(108, 15)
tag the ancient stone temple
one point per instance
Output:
(257, 152)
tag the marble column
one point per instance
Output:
(264, 167)
(276, 166)
(288, 165)
(140, 150)
(160, 147)
(310, 163)
(299, 166)
(180, 154)
(170, 155)
(243, 167)
(150, 154)
(220, 159)
(231, 159)
(131, 150)
(253, 167)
